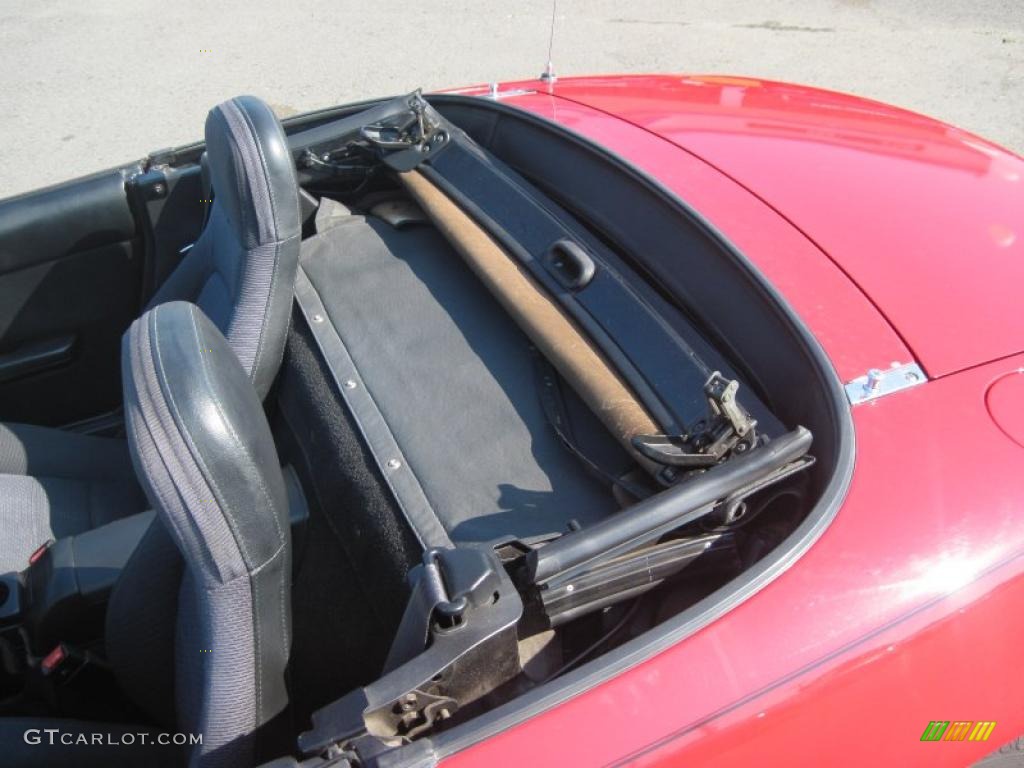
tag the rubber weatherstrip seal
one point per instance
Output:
(386, 452)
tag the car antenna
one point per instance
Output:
(548, 75)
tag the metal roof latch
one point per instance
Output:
(879, 382)
(730, 429)
(407, 138)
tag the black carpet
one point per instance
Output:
(349, 590)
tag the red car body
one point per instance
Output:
(895, 238)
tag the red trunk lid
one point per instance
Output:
(926, 219)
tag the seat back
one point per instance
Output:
(205, 457)
(241, 270)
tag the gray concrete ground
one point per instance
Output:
(87, 85)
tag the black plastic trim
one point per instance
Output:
(36, 356)
(623, 365)
(659, 514)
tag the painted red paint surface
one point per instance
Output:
(926, 218)
(908, 607)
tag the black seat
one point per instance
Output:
(240, 272)
(206, 459)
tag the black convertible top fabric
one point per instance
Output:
(455, 382)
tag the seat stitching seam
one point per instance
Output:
(263, 166)
(234, 434)
(274, 279)
(253, 585)
(254, 573)
(193, 451)
(275, 234)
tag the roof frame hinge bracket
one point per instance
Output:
(729, 429)
(407, 139)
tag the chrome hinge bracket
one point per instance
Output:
(879, 382)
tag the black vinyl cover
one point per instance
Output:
(444, 388)
(666, 363)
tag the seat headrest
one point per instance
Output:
(252, 171)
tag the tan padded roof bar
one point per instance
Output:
(555, 333)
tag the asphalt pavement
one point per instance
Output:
(88, 85)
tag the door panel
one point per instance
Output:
(71, 269)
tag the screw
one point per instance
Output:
(159, 189)
(318, 318)
(394, 463)
(350, 384)
(874, 380)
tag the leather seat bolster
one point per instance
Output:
(207, 460)
(252, 171)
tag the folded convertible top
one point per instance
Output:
(507, 370)
(669, 399)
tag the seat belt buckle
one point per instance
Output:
(63, 663)
(36, 556)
